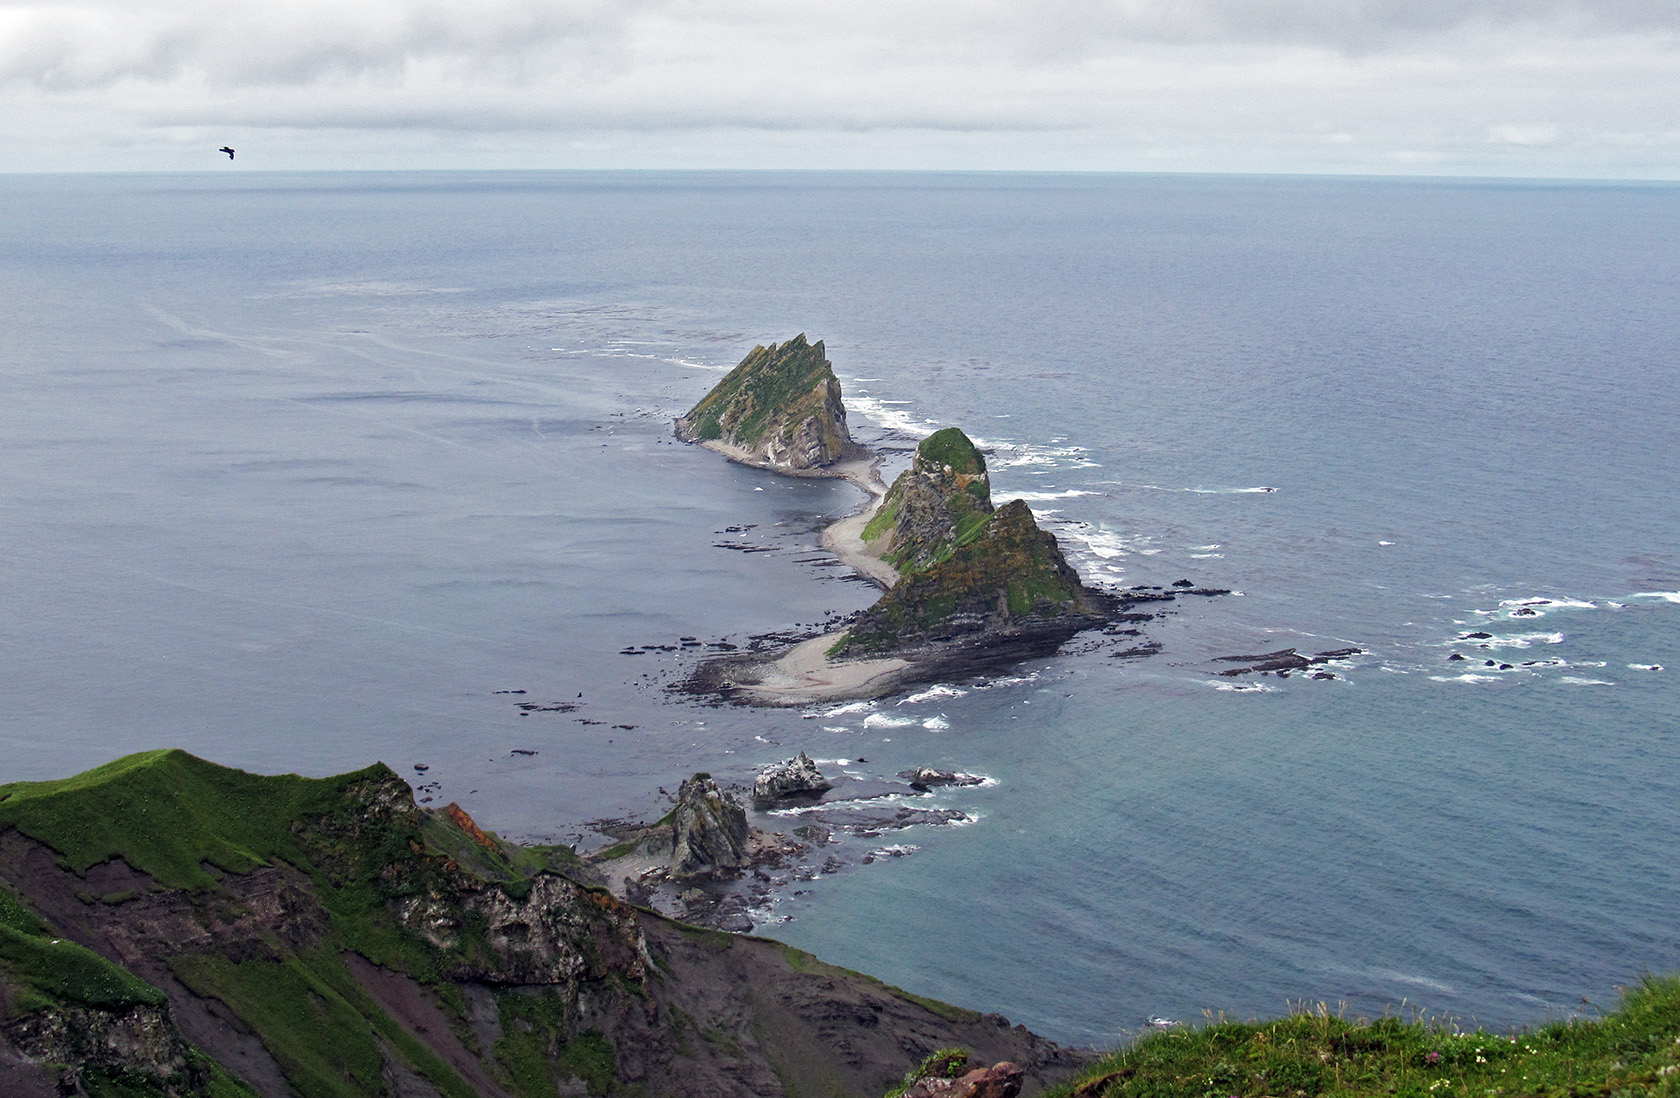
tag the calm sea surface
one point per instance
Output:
(298, 472)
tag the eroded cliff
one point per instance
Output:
(780, 408)
(168, 926)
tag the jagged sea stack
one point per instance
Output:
(968, 572)
(708, 830)
(779, 409)
(938, 503)
(1010, 581)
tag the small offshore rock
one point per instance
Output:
(927, 775)
(709, 830)
(797, 777)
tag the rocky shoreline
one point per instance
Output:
(722, 855)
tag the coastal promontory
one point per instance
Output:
(170, 928)
(779, 409)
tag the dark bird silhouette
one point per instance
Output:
(225, 149)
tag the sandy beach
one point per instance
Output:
(803, 674)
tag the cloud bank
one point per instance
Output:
(1486, 86)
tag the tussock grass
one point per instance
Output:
(1634, 1050)
(167, 813)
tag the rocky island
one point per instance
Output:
(779, 409)
(969, 586)
(173, 928)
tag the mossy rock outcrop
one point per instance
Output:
(170, 928)
(938, 504)
(780, 408)
(1008, 578)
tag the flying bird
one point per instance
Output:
(227, 150)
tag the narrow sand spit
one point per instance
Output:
(803, 674)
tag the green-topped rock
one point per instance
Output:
(1007, 580)
(779, 409)
(937, 505)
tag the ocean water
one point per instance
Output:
(302, 471)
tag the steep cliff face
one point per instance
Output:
(708, 830)
(934, 506)
(1007, 579)
(170, 927)
(779, 408)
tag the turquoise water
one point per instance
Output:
(299, 471)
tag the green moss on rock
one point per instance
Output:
(938, 504)
(781, 405)
(1008, 575)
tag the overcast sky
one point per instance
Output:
(1484, 87)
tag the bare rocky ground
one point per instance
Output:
(792, 840)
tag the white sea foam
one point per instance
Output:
(1468, 677)
(933, 693)
(1045, 497)
(896, 850)
(1513, 640)
(881, 720)
(1245, 687)
(1645, 667)
(1013, 455)
(1667, 596)
(835, 728)
(1576, 680)
(850, 707)
(1101, 542)
(936, 724)
(1256, 490)
(895, 416)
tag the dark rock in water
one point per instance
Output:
(1324, 675)
(1183, 583)
(936, 505)
(781, 406)
(926, 775)
(1455, 656)
(1010, 576)
(797, 777)
(1525, 612)
(709, 830)
(1477, 636)
(1286, 659)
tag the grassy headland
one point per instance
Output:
(1633, 1050)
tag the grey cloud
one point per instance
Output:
(299, 43)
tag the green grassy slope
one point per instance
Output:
(167, 812)
(1633, 1051)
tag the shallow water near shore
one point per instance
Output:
(303, 471)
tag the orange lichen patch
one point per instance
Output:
(459, 817)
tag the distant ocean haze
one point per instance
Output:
(302, 471)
